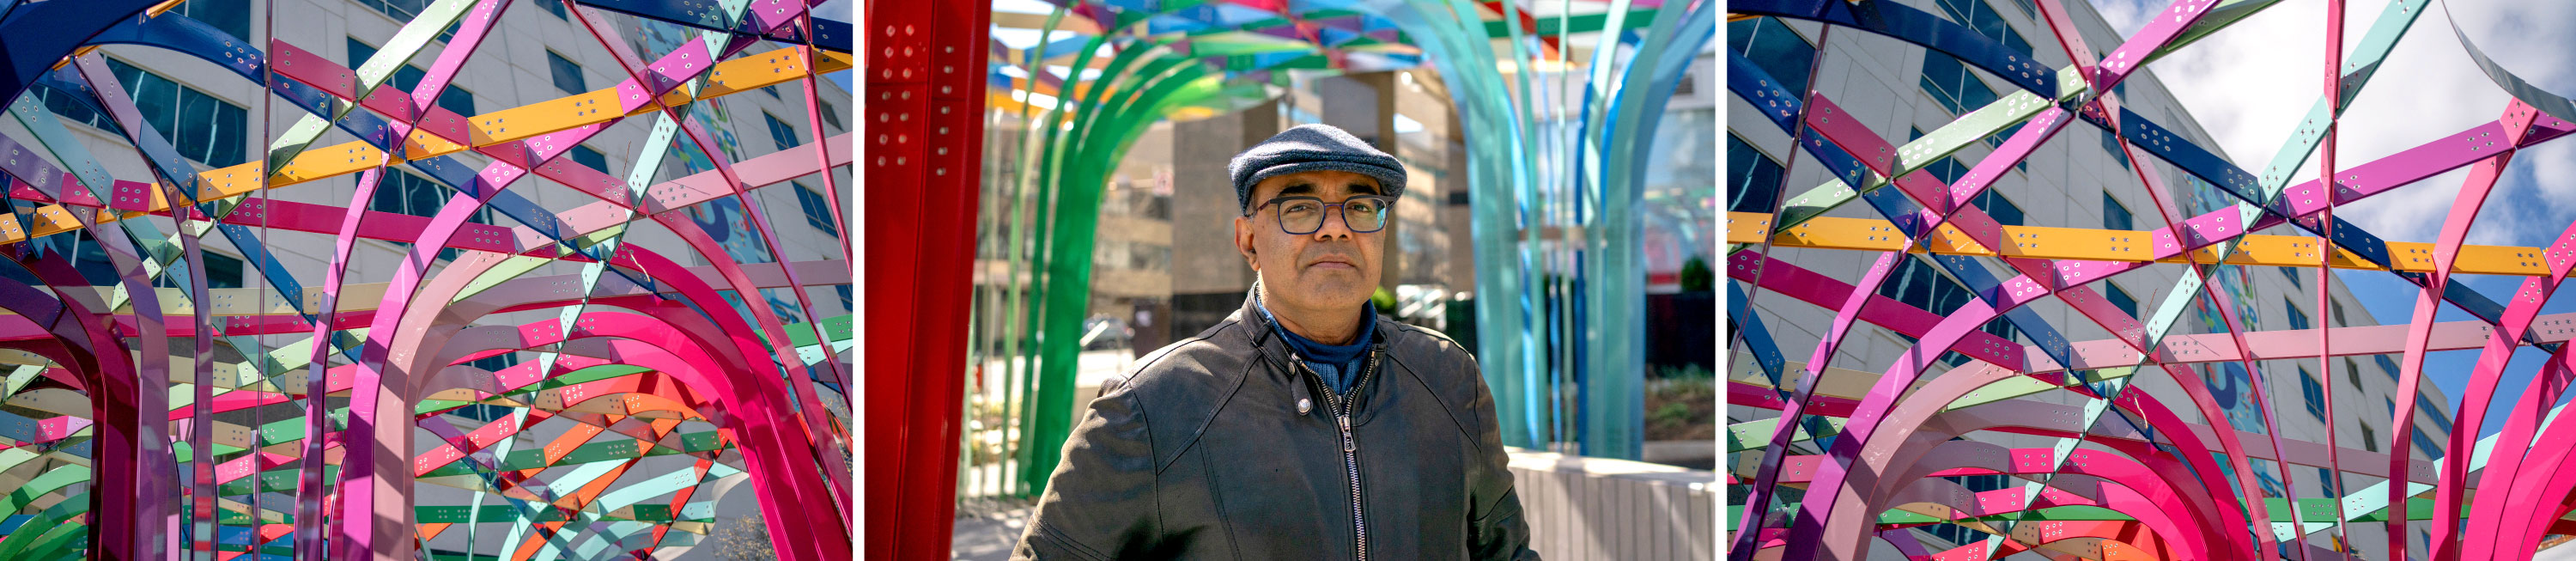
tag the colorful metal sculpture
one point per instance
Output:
(645, 357)
(2153, 485)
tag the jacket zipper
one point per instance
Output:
(1341, 408)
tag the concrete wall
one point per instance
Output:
(1581, 508)
(1210, 276)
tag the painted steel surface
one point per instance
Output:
(644, 357)
(1855, 455)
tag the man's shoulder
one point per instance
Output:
(1411, 340)
(1213, 361)
(1444, 367)
(1441, 360)
(1175, 390)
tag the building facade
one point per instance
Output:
(2078, 179)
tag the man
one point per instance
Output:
(1304, 426)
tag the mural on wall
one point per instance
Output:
(2233, 391)
(2229, 384)
(729, 225)
(725, 220)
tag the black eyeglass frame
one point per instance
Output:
(1330, 212)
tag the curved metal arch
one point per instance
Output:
(1924, 415)
(128, 467)
(618, 349)
(2118, 496)
(445, 226)
(434, 305)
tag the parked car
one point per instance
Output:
(1104, 332)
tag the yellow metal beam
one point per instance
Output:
(2040, 242)
(730, 77)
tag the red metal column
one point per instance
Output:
(922, 153)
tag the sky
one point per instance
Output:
(2250, 84)
(847, 12)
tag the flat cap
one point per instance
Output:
(1312, 148)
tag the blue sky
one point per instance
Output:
(2250, 84)
(842, 12)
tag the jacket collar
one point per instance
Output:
(1269, 341)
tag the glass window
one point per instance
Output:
(2298, 319)
(1775, 48)
(404, 193)
(1978, 16)
(1940, 294)
(2004, 211)
(1753, 179)
(773, 91)
(831, 115)
(1921, 285)
(2386, 366)
(88, 259)
(2111, 144)
(229, 16)
(1949, 83)
(2314, 393)
(2291, 273)
(359, 52)
(556, 7)
(2121, 299)
(780, 131)
(2426, 445)
(1918, 286)
(2326, 480)
(222, 271)
(1971, 86)
(585, 156)
(69, 107)
(457, 99)
(2115, 216)
(408, 78)
(404, 11)
(497, 362)
(2430, 409)
(2352, 373)
(1948, 169)
(818, 211)
(2369, 437)
(567, 75)
(2027, 9)
(202, 127)
(2338, 313)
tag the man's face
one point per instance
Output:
(1330, 268)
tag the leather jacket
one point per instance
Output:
(1225, 446)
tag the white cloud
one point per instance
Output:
(2249, 84)
(2125, 15)
(838, 11)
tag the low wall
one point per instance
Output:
(1594, 508)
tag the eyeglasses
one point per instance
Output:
(1301, 215)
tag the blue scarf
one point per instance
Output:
(1339, 364)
